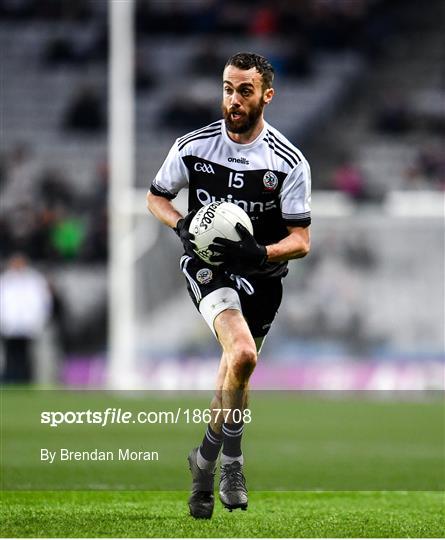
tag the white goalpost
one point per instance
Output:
(121, 150)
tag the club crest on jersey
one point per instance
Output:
(204, 276)
(270, 181)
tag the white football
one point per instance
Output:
(217, 219)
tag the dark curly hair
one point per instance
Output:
(248, 60)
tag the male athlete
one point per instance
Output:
(241, 159)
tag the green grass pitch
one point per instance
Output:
(345, 466)
(270, 514)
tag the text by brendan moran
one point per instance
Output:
(121, 454)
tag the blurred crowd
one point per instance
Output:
(398, 120)
(305, 25)
(317, 23)
(45, 216)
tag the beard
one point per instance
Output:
(246, 121)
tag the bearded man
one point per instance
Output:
(244, 160)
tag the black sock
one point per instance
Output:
(232, 439)
(211, 445)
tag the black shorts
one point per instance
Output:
(259, 308)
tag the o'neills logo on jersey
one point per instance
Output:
(270, 181)
(241, 160)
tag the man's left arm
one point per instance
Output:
(248, 253)
(295, 198)
(294, 246)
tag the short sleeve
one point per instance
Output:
(172, 176)
(295, 196)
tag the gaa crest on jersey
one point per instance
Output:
(204, 276)
(270, 181)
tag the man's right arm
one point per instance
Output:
(163, 209)
(170, 179)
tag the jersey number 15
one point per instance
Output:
(236, 180)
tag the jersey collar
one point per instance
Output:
(241, 146)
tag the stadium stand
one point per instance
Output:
(54, 50)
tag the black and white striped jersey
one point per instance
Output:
(269, 178)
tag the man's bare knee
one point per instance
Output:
(243, 362)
